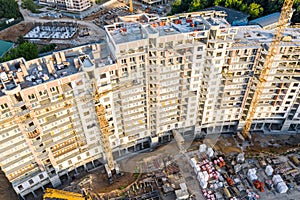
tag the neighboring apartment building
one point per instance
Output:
(192, 72)
(71, 5)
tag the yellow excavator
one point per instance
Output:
(54, 194)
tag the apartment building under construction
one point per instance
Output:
(71, 5)
(193, 73)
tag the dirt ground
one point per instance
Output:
(274, 144)
(6, 190)
(100, 186)
(12, 33)
(98, 14)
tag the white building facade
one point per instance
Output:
(192, 72)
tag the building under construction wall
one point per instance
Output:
(68, 111)
(70, 5)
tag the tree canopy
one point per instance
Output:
(27, 50)
(30, 5)
(255, 8)
(9, 9)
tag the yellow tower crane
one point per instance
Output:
(64, 195)
(104, 125)
(131, 6)
(273, 50)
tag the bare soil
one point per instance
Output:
(12, 33)
(101, 185)
(6, 190)
(274, 144)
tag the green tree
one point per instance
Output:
(9, 9)
(176, 6)
(237, 4)
(48, 48)
(195, 5)
(20, 39)
(255, 10)
(219, 2)
(27, 50)
(30, 5)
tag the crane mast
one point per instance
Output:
(273, 50)
(131, 6)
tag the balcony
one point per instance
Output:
(19, 104)
(65, 150)
(23, 112)
(33, 134)
(30, 129)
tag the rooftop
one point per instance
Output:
(20, 73)
(254, 35)
(139, 26)
(126, 32)
(4, 47)
(232, 14)
(266, 20)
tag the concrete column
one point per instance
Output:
(142, 145)
(134, 148)
(76, 172)
(93, 164)
(34, 194)
(68, 176)
(169, 137)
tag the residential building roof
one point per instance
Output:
(266, 20)
(232, 14)
(4, 47)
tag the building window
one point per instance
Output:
(30, 182)
(20, 187)
(43, 93)
(4, 106)
(31, 96)
(200, 49)
(86, 113)
(79, 83)
(53, 89)
(123, 61)
(103, 76)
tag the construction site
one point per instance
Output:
(57, 31)
(178, 107)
